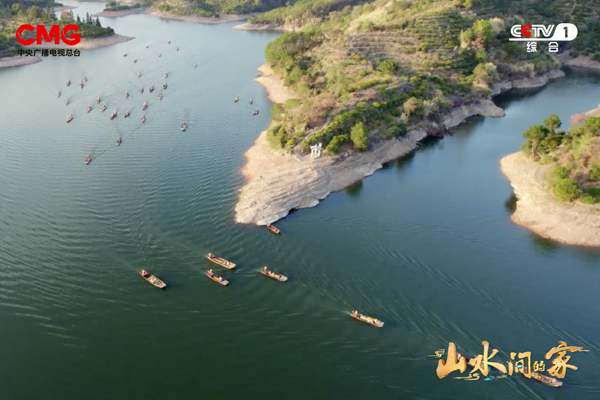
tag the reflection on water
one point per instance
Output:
(355, 189)
(546, 246)
(511, 203)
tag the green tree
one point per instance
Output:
(411, 105)
(552, 122)
(359, 137)
(595, 172)
(567, 189)
(388, 67)
(15, 8)
(535, 134)
(557, 174)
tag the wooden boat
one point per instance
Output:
(166, 74)
(217, 278)
(81, 85)
(177, 48)
(119, 141)
(139, 75)
(67, 102)
(195, 65)
(236, 99)
(273, 229)
(125, 55)
(141, 90)
(255, 112)
(151, 279)
(143, 119)
(369, 320)
(553, 382)
(271, 274)
(165, 85)
(159, 54)
(113, 114)
(127, 113)
(88, 160)
(144, 106)
(251, 101)
(220, 261)
(147, 46)
(183, 127)
(103, 107)
(69, 118)
(89, 109)
(126, 94)
(68, 83)
(160, 96)
(151, 89)
(134, 61)
(98, 100)
(169, 42)
(58, 94)
(84, 79)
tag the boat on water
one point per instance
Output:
(274, 275)
(81, 85)
(553, 382)
(169, 42)
(89, 109)
(183, 127)
(195, 65)
(363, 318)
(143, 119)
(69, 117)
(113, 114)
(255, 112)
(165, 85)
(177, 48)
(84, 79)
(119, 141)
(147, 46)
(88, 159)
(144, 106)
(166, 75)
(236, 99)
(103, 107)
(134, 61)
(151, 279)
(67, 102)
(139, 75)
(251, 101)
(273, 229)
(125, 55)
(217, 278)
(98, 100)
(126, 94)
(68, 83)
(127, 114)
(160, 96)
(58, 94)
(151, 89)
(220, 261)
(159, 54)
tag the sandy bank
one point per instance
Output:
(88, 43)
(201, 20)
(17, 61)
(273, 85)
(581, 61)
(120, 13)
(538, 211)
(248, 26)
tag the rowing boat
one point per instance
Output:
(369, 320)
(217, 278)
(151, 279)
(273, 229)
(274, 275)
(220, 261)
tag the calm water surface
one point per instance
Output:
(425, 244)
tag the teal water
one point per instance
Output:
(426, 244)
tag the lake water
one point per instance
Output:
(426, 244)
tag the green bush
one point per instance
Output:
(567, 189)
(358, 134)
(587, 199)
(593, 191)
(595, 172)
(556, 175)
(596, 57)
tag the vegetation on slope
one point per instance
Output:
(574, 154)
(213, 8)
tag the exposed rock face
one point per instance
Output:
(538, 211)
(526, 83)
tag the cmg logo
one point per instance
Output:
(55, 33)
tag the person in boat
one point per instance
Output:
(67, 102)
(58, 93)
(139, 74)
(177, 48)
(98, 100)
(251, 101)
(134, 61)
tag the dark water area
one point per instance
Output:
(425, 244)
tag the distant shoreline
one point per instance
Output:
(88, 43)
(197, 19)
(120, 13)
(18, 61)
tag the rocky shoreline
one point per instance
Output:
(538, 211)
(88, 43)
(201, 20)
(17, 61)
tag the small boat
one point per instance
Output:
(103, 107)
(69, 117)
(255, 112)
(195, 65)
(134, 61)
(151, 279)
(127, 114)
(84, 79)
(160, 96)
(553, 382)
(271, 274)
(141, 90)
(177, 48)
(68, 83)
(144, 106)
(369, 320)
(113, 114)
(126, 94)
(88, 159)
(147, 46)
(159, 54)
(58, 94)
(183, 127)
(236, 99)
(125, 55)
(98, 100)
(151, 89)
(251, 101)
(220, 261)
(119, 141)
(143, 119)
(169, 42)
(165, 85)
(89, 109)
(166, 75)
(81, 85)
(139, 75)
(273, 229)
(67, 102)
(216, 278)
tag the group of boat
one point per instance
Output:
(237, 98)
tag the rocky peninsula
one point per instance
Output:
(538, 210)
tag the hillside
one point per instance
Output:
(369, 71)
(213, 8)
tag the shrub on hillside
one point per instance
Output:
(567, 189)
